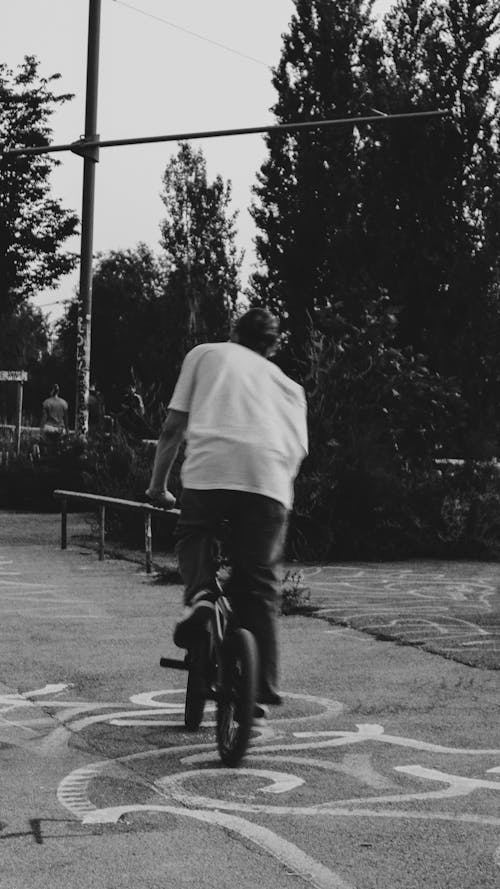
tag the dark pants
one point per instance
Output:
(257, 533)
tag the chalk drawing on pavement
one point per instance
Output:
(312, 765)
(282, 762)
(419, 605)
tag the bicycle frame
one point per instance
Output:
(218, 627)
(223, 667)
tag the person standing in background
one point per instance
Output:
(54, 423)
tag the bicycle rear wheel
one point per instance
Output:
(196, 691)
(236, 701)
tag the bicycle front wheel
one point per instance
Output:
(196, 691)
(236, 701)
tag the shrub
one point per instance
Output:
(121, 467)
(28, 479)
(295, 595)
(422, 511)
(378, 418)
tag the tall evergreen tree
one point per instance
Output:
(433, 191)
(404, 209)
(201, 259)
(309, 194)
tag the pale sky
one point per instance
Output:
(154, 79)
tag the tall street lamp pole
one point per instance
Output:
(90, 154)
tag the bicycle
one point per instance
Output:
(222, 665)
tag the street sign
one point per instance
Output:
(13, 376)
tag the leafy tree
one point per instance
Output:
(28, 338)
(374, 409)
(309, 194)
(24, 342)
(33, 224)
(433, 191)
(201, 259)
(126, 327)
(148, 311)
(409, 209)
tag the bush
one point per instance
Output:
(121, 467)
(28, 480)
(378, 419)
(295, 595)
(424, 511)
(353, 504)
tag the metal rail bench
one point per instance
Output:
(102, 502)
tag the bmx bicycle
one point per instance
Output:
(222, 665)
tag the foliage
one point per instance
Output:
(308, 206)
(419, 511)
(365, 393)
(295, 594)
(408, 210)
(126, 333)
(374, 411)
(118, 468)
(412, 509)
(121, 467)
(436, 189)
(33, 225)
(148, 310)
(24, 339)
(28, 480)
(201, 259)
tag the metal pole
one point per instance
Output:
(90, 158)
(64, 523)
(148, 541)
(19, 416)
(83, 146)
(102, 530)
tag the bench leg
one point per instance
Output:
(64, 523)
(102, 530)
(148, 537)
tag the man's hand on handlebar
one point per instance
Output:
(163, 499)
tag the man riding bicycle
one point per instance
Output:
(246, 435)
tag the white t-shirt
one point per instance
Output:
(247, 428)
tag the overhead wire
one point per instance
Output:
(177, 27)
(55, 302)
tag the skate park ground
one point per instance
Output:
(382, 769)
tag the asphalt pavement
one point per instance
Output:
(382, 769)
(451, 609)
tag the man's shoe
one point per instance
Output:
(194, 619)
(271, 697)
(260, 712)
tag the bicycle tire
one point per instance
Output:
(236, 701)
(196, 690)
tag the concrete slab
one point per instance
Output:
(382, 769)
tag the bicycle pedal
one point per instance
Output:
(173, 664)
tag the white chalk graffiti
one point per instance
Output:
(297, 766)
(280, 763)
(424, 606)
